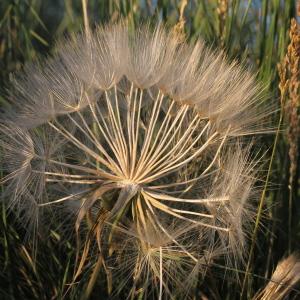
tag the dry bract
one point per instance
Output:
(285, 278)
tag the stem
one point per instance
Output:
(160, 273)
(290, 217)
(261, 204)
(85, 17)
(93, 279)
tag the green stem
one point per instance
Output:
(261, 204)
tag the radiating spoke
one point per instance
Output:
(69, 197)
(175, 199)
(169, 211)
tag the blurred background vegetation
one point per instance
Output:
(260, 34)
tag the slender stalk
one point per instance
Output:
(92, 279)
(261, 204)
(290, 218)
(85, 17)
(245, 14)
(160, 273)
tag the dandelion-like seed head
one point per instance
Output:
(145, 128)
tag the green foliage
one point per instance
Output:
(253, 32)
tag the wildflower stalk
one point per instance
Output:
(92, 280)
(85, 17)
(249, 2)
(160, 273)
(222, 11)
(179, 26)
(291, 66)
(283, 90)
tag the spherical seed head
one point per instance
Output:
(137, 125)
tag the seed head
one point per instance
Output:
(147, 130)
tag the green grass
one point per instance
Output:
(254, 32)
